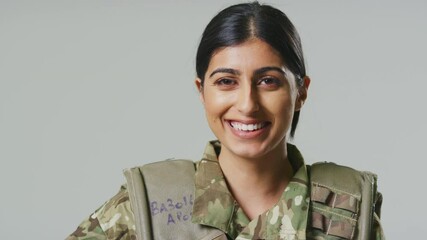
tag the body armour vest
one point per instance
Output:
(342, 202)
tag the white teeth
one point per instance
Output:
(247, 127)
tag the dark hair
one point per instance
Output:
(238, 23)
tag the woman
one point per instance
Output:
(250, 184)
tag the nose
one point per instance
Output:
(247, 102)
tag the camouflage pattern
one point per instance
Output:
(113, 220)
(214, 206)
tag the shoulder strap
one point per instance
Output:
(342, 201)
(161, 196)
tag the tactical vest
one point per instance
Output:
(342, 204)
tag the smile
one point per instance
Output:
(247, 127)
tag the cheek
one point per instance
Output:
(279, 103)
(215, 105)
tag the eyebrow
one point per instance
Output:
(257, 72)
(225, 70)
(266, 69)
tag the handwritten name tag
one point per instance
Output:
(173, 211)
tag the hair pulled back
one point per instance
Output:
(239, 23)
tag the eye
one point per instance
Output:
(270, 82)
(225, 83)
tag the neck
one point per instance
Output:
(260, 180)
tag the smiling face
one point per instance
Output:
(249, 98)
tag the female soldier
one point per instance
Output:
(250, 184)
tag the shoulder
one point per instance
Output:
(342, 178)
(169, 163)
(345, 197)
(115, 216)
(161, 172)
(113, 220)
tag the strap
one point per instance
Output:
(342, 201)
(326, 196)
(166, 189)
(139, 202)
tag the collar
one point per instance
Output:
(215, 206)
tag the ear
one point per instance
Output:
(199, 86)
(302, 93)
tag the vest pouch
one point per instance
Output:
(342, 207)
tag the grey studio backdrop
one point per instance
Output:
(88, 88)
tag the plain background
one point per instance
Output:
(88, 88)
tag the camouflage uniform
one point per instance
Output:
(215, 206)
(113, 220)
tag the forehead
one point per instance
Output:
(250, 54)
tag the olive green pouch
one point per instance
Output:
(343, 202)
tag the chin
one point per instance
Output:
(248, 151)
